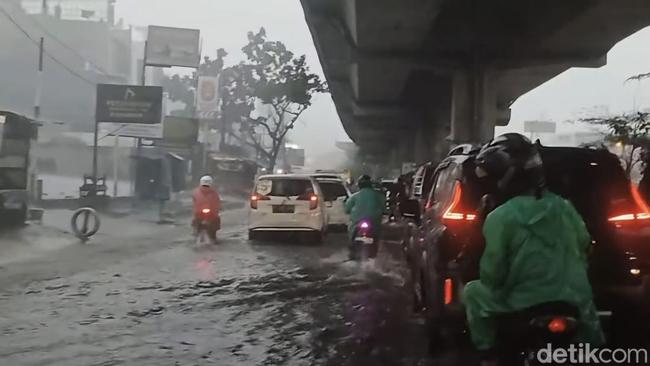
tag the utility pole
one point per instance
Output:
(39, 80)
(93, 191)
(138, 151)
(116, 177)
(44, 8)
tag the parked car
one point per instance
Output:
(287, 203)
(443, 250)
(335, 193)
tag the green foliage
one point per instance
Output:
(268, 93)
(630, 130)
(264, 95)
(183, 88)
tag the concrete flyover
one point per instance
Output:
(411, 77)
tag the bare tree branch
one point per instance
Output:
(638, 77)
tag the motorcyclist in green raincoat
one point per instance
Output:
(536, 246)
(366, 204)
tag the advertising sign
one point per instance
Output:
(129, 104)
(539, 127)
(137, 130)
(179, 131)
(168, 47)
(207, 98)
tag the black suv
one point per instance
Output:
(445, 243)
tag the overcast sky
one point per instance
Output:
(224, 23)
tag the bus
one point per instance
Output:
(16, 134)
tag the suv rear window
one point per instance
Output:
(593, 181)
(332, 190)
(284, 187)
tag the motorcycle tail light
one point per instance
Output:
(557, 325)
(206, 210)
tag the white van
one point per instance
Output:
(335, 193)
(287, 203)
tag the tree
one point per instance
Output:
(632, 132)
(183, 88)
(268, 93)
(639, 77)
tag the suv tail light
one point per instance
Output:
(453, 212)
(640, 213)
(255, 198)
(449, 291)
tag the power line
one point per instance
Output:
(59, 41)
(37, 43)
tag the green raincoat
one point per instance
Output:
(536, 252)
(366, 204)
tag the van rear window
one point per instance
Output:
(333, 191)
(284, 187)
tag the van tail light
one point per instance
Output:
(449, 291)
(453, 212)
(640, 213)
(313, 202)
(256, 198)
(312, 198)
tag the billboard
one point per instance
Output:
(539, 127)
(295, 157)
(137, 130)
(207, 98)
(179, 132)
(168, 47)
(129, 104)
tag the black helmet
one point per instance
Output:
(511, 162)
(364, 181)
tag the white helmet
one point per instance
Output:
(206, 181)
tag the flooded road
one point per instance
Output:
(160, 300)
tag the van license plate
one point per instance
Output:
(284, 209)
(365, 240)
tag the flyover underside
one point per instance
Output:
(417, 75)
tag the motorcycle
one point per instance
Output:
(521, 335)
(207, 227)
(365, 243)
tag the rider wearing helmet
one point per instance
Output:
(205, 197)
(366, 204)
(536, 245)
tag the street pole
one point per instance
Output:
(116, 147)
(39, 80)
(138, 152)
(93, 191)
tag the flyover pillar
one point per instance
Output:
(402, 149)
(473, 106)
(431, 143)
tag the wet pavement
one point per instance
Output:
(147, 295)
